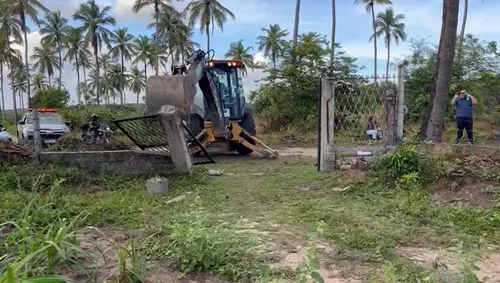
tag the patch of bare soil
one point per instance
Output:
(76, 144)
(102, 265)
(288, 248)
(465, 190)
(448, 265)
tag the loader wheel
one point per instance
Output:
(248, 124)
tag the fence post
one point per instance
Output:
(179, 152)
(390, 134)
(401, 101)
(327, 154)
(37, 136)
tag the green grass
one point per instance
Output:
(368, 218)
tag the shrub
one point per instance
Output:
(403, 161)
(50, 98)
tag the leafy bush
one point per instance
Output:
(8, 179)
(404, 161)
(50, 98)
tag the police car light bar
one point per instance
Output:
(43, 110)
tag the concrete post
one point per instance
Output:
(390, 133)
(172, 125)
(37, 136)
(327, 154)
(401, 102)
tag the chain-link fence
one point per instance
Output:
(360, 110)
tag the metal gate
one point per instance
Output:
(148, 134)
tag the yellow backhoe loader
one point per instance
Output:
(209, 96)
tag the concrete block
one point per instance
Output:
(157, 185)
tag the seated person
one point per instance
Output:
(371, 128)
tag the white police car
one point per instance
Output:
(52, 126)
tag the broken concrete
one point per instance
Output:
(157, 185)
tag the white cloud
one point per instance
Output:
(365, 50)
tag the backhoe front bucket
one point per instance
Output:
(170, 90)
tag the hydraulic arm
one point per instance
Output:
(179, 90)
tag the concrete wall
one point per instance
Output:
(118, 161)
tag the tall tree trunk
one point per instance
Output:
(146, 70)
(26, 62)
(10, 66)
(332, 47)
(97, 77)
(106, 90)
(122, 82)
(461, 40)
(374, 43)
(138, 97)
(207, 30)
(60, 65)
(388, 61)
(157, 14)
(84, 85)
(2, 92)
(50, 80)
(78, 81)
(296, 24)
(432, 128)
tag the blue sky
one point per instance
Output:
(423, 20)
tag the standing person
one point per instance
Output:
(463, 112)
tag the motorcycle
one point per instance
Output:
(103, 135)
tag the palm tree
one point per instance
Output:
(237, 51)
(432, 124)
(117, 81)
(273, 43)
(143, 52)
(369, 6)
(136, 82)
(171, 29)
(73, 43)
(94, 21)
(390, 26)
(105, 62)
(6, 55)
(122, 46)
(18, 77)
(20, 83)
(296, 24)
(55, 29)
(39, 83)
(46, 61)
(158, 4)
(86, 64)
(30, 9)
(461, 39)
(209, 13)
(10, 33)
(184, 44)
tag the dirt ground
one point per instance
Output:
(448, 263)
(466, 190)
(104, 262)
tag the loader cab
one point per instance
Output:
(230, 88)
